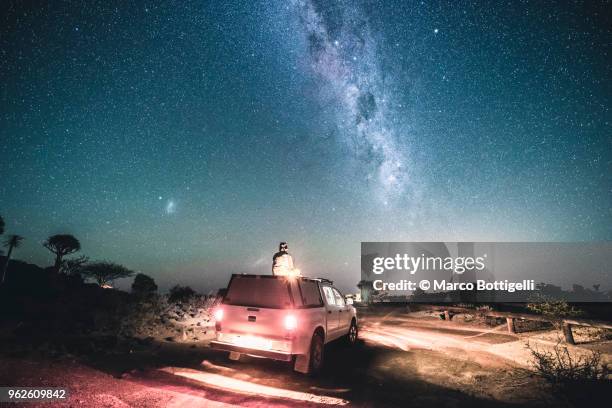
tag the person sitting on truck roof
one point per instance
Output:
(282, 262)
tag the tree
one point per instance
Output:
(367, 290)
(143, 285)
(61, 245)
(11, 242)
(103, 273)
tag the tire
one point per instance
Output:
(353, 333)
(317, 351)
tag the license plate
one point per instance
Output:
(253, 342)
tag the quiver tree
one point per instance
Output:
(61, 245)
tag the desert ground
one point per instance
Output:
(402, 359)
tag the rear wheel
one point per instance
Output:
(351, 337)
(317, 347)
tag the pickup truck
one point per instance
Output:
(288, 318)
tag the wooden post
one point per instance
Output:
(510, 322)
(567, 332)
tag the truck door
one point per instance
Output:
(344, 315)
(332, 311)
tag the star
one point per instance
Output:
(309, 111)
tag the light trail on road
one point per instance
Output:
(246, 387)
(485, 345)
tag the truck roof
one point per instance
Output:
(282, 276)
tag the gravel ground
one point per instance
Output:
(402, 360)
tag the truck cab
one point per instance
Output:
(288, 318)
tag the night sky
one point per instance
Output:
(185, 140)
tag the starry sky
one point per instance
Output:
(186, 139)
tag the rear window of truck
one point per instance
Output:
(257, 291)
(310, 293)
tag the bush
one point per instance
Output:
(143, 318)
(143, 285)
(556, 309)
(156, 316)
(180, 294)
(561, 368)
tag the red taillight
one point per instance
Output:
(218, 315)
(290, 322)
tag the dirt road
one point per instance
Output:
(401, 360)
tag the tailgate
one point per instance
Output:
(254, 321)
(257, 305)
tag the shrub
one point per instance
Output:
(554, 308)
(156, 316)
(143, 285)
(180, 294)
(561, 368)
(144, 316)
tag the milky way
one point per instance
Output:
(343, 52)
(186, 139)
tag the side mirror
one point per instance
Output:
(349, 300)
